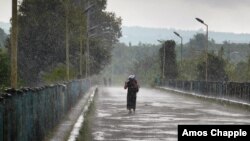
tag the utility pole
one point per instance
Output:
(14, 45)
(81, 42)
(80, 63)
(67, 37)
(87, 44)
(87, 41)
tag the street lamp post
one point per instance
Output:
(206, 49)
(88, 36)
(177, 34)
(81, 43)
(87, 45)
(67, 37)
(66, 9)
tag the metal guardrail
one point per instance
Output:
(228, 90)
(31, 114)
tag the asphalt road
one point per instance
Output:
(157, 115)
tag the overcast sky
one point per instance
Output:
(220, 15)
(5, 10)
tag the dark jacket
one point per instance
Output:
(132, 85)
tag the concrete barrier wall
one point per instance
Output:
(30, 114)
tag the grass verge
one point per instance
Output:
(85, 131)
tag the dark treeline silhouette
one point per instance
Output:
(42, 38)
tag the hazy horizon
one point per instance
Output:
(137, 34)
(150, 35)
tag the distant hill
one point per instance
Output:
(3, 37)
(151, 35)
(136, 34)
(5, 27)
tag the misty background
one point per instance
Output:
(144, 22)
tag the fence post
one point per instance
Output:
(1, 117)
(191, 86)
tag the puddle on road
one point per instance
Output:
(99, 114)
(98, 135)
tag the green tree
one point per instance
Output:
(221, 52)
(3, 37)
(248, 69)
(198, 41)
(105, 32)
(4, 69)
(215, 71)
(230, 71)
(146, 66)
(169, 63)
(241, 72)
(141, 60)
(189, 71)
(42, 36)
(58, 74)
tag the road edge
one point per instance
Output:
(222, 101)
(80, 120)
(65, 128)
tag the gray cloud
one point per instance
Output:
(5, 10)
(221, 3)
(221, 15)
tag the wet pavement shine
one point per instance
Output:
(157, 115)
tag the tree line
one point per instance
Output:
(46, 27)
(146, 61)
(3, 37)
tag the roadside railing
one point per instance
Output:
(228, 90)
(30, 114)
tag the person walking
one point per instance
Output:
(132, 85)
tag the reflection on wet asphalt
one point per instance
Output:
(157, 115)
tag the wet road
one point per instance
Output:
(157, 115)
